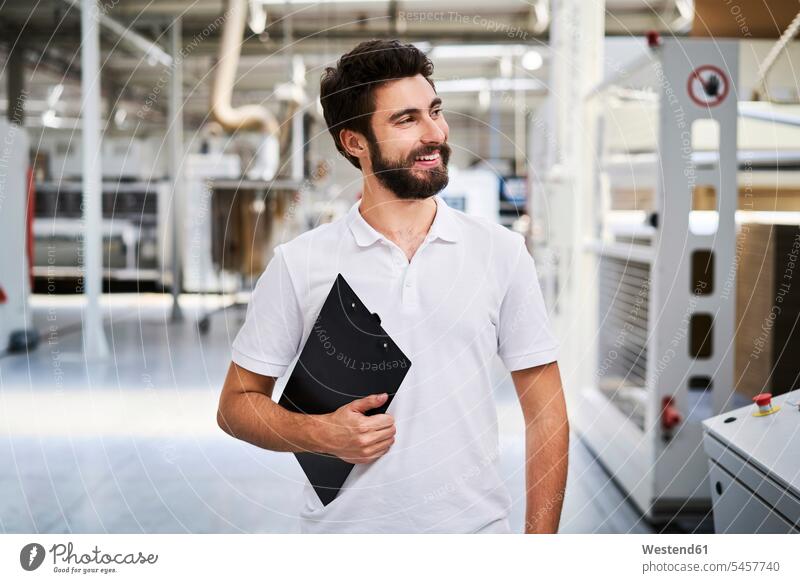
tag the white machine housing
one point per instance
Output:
(14, 313)
(474, 191)
(665, 472)
(755, 469)
(199, 273)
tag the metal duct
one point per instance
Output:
(245, 117)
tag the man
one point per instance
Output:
(452, 291)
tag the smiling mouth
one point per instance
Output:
(428, 160)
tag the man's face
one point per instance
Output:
(409, 152)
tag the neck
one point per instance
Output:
(394, 217)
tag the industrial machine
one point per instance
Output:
(199, 272)
(135, 196)
(664, 321)
(249, 218)
(754, 466)
(474, 191)
(682, 172)
(513, 198)
(16, 327)
(133, 226)
(125, 157)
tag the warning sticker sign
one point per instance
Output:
(708, 86)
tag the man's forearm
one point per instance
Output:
(255, 418)
(546, 454)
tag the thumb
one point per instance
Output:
(369, 402)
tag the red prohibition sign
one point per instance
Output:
(714, 87)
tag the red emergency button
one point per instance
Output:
(653, 38)
(764, 402)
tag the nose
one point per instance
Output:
(434, 133)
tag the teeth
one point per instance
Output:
(431, 157)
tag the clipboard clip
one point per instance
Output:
(373, 314)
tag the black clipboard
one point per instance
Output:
(347, 356)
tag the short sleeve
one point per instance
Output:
(524, 335)
(270, 336)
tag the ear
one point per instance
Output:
(353, 143)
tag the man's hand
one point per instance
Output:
(246, 411)
(357, 438)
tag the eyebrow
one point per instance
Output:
(413, 110)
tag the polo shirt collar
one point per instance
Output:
(443, 227)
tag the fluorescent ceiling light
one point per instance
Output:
(50, 120)
(476, 51)
(424, 46)
(257, 16)
(479, 84)
(295, 2)
(532, 60)
(120, 116)
(54, 94)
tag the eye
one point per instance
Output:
(436, 112)
(405, 120)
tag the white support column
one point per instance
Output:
(520, 137)
(94, 338)
(298, 138)
(176, 160)
(567, 210)
(298, 145)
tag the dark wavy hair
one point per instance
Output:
(347, 91)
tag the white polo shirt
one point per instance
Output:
(469, 293)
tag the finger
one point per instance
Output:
(380, 447)
(371, 457)
(369, 402)
(380, 453)
(379, 421)
(374, 437)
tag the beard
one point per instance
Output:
(405, 181)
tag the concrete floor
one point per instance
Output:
(131, 444)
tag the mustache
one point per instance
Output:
(443, 149)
